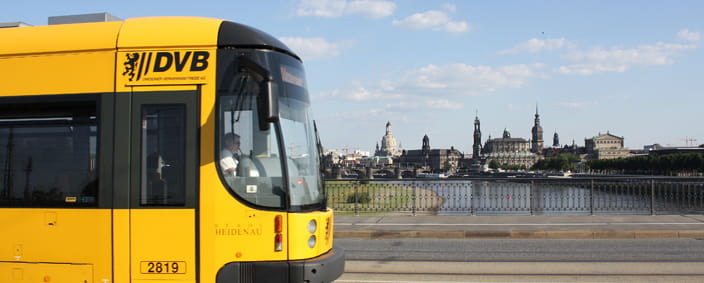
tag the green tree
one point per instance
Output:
(652, 164)
(562, 162)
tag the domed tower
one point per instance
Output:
(388, 143)
(537, 142)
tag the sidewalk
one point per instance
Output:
(521, 227)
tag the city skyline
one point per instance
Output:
(628, 67)
(547, 139)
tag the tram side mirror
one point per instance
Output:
(267, 99)
(267, 105)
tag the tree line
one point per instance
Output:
(562, 162)
(666, 164)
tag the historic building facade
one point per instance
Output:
(437, 160)
(389, 147)
(606, 146)
(508, 150)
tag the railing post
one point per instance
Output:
(652, 196)
(414, 196)
(591, 198)
(530, 196)
(356, 198)
(471, 198)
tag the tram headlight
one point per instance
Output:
(311, 241)
(312, 226)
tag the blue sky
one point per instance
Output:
(633, 68)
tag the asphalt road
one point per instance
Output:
(519, 260)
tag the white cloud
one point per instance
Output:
(435, 20)
(687, 35)
(337, 8)
(598, 60)
(577, 105)
(423, 20)
(444, 104)
(464, 80)
(362, 94)
(437, 87)
(456, 27)
(366, 114)
(450, 7)
(440, 104)
(535, 45)
(370, 8)
(321, 8)
(315, 48)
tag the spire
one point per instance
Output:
(537, 115)
(536, 109)
(537, 133)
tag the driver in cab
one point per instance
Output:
(229, 155)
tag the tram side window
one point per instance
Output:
(48, 155)
(163, 155)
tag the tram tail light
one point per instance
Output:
(278, 242)
(279, 224)
(278, 230)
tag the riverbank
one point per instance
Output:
(372, 198)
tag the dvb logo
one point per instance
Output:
(139, 65)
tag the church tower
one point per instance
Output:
(426, 145)
(477, 147)
(555, 140)
(426, 150)
(537, 141)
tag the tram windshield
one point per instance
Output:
(267, 160)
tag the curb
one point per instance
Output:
(521, 234)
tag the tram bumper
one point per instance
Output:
(322, 269)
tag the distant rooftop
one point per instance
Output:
(83, 18)
(69, 19)
(14, 25)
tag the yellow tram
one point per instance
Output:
(117, 142)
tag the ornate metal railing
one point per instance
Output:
(519, 196)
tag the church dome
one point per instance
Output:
(389, 147)
(507, 134)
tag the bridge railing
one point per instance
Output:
(519, 196)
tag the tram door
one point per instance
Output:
(163, 186)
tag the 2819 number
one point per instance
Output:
(163, 267)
